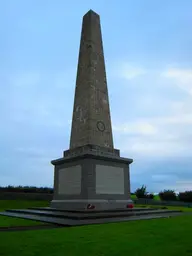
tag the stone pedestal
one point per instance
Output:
(101, 181)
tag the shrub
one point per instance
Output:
(168, 195)
(150, 196)
(141, 192)
(185, 196)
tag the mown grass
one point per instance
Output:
(184, 209)
(158, 237)
(156, 197)
(19, 204)
(168, 237)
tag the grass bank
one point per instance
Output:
(19, 204)
(171, 237)
(168, 237)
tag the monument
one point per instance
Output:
(91, 180)
(91, 174)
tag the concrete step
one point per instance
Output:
(86, 215)
(71, 222)
(90, 211)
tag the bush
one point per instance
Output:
(168, 195)
(185, 196)
(141, 192)
(150, 196)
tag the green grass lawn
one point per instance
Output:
(156, 197)
(184, 209)
(171, 237)
(19, 204)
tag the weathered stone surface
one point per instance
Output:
(93, 149)
(69, 180)
(109, 180)
(91, 123)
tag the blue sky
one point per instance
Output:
(147, 46)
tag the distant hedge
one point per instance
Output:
(185, 196)
(27, 189)
(168, 195)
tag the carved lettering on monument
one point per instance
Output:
(106, 144)
(80, 114)
(69, 180)
(109, 180)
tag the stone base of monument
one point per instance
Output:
(90, 188)
(77, 218)
(90, 180)
(90, 204)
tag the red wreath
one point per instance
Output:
(90, 206)
(130, 206)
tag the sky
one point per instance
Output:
(148, 56)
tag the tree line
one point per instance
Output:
(26, 189)
(167, 195)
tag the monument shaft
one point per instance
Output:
(91, 123)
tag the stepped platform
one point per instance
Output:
(78, 218)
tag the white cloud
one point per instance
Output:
(167, 134)
(128, 71)
(162, 177)
(181, 77)
(180, 185)
(176, 119)
(184, 185)
(35, 152)
(156, 137)
(136, 127)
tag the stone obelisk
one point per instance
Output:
(91, 174)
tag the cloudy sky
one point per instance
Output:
(147, 46)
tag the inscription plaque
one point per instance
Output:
(69, 180)
(109, 180)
